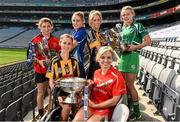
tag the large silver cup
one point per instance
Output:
(72, 85)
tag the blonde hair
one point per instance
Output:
(127, 8)
(66, 36)
(44, 20)
(92, 14)
(104, 49)
(80, 14)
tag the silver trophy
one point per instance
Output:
(113, 37)
(44, 50)
(73, 86)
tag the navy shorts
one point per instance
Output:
(40, 78)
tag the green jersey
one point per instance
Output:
(133, 34)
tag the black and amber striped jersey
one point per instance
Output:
(62, 69)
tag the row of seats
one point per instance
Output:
(17, 110)
(17, 91)
(159, 76)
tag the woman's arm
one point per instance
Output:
(106, 104)
(146, 41)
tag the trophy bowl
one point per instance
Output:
(72, 85)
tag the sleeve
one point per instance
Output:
(142, 30)
(119, 87)
(80, 36)
(94, 42)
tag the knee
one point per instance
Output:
(130, 84)
(77, 118)
(66, 107)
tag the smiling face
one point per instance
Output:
(46, 28)
(127, 16)
(96, 22)
(77, 22)
(66, 44)
(105, 60)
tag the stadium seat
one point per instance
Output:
(17, 81)
(27, 102)
(165, 77)
(6, 99)
(152, 79)
(2, 114)
(26, 86)
(120, 113)
(13, 111)
(10, 86)
(147, 77)
(17, 92)
(2, 89)
(171, 100)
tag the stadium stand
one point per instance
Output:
(159, 74)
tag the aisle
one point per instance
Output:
(147, 110)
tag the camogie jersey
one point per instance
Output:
(53, 44)
(95, 40)
(63, 69)
(133, 34)
(105, 87)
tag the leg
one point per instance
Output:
(66, 109)
(129, 100)
(80, 115)
(41, 87)
(96, 118)
(130, 78)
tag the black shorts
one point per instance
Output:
(40, 78)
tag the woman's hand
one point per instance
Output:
(61, 99)
(90, 82)
(131, 48)
(40, 62)
(91, 104)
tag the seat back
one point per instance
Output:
(120, 113)
(13, 111)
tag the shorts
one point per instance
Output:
(40, 77)
(129, 62)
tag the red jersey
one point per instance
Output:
(53, 44)
(105, 87)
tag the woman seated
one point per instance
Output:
(107, 88)
(63, 66)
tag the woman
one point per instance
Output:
(107, 88)
(95, 40)
(45, 25)
(62, 67)
(80, 37)
(136, 37)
